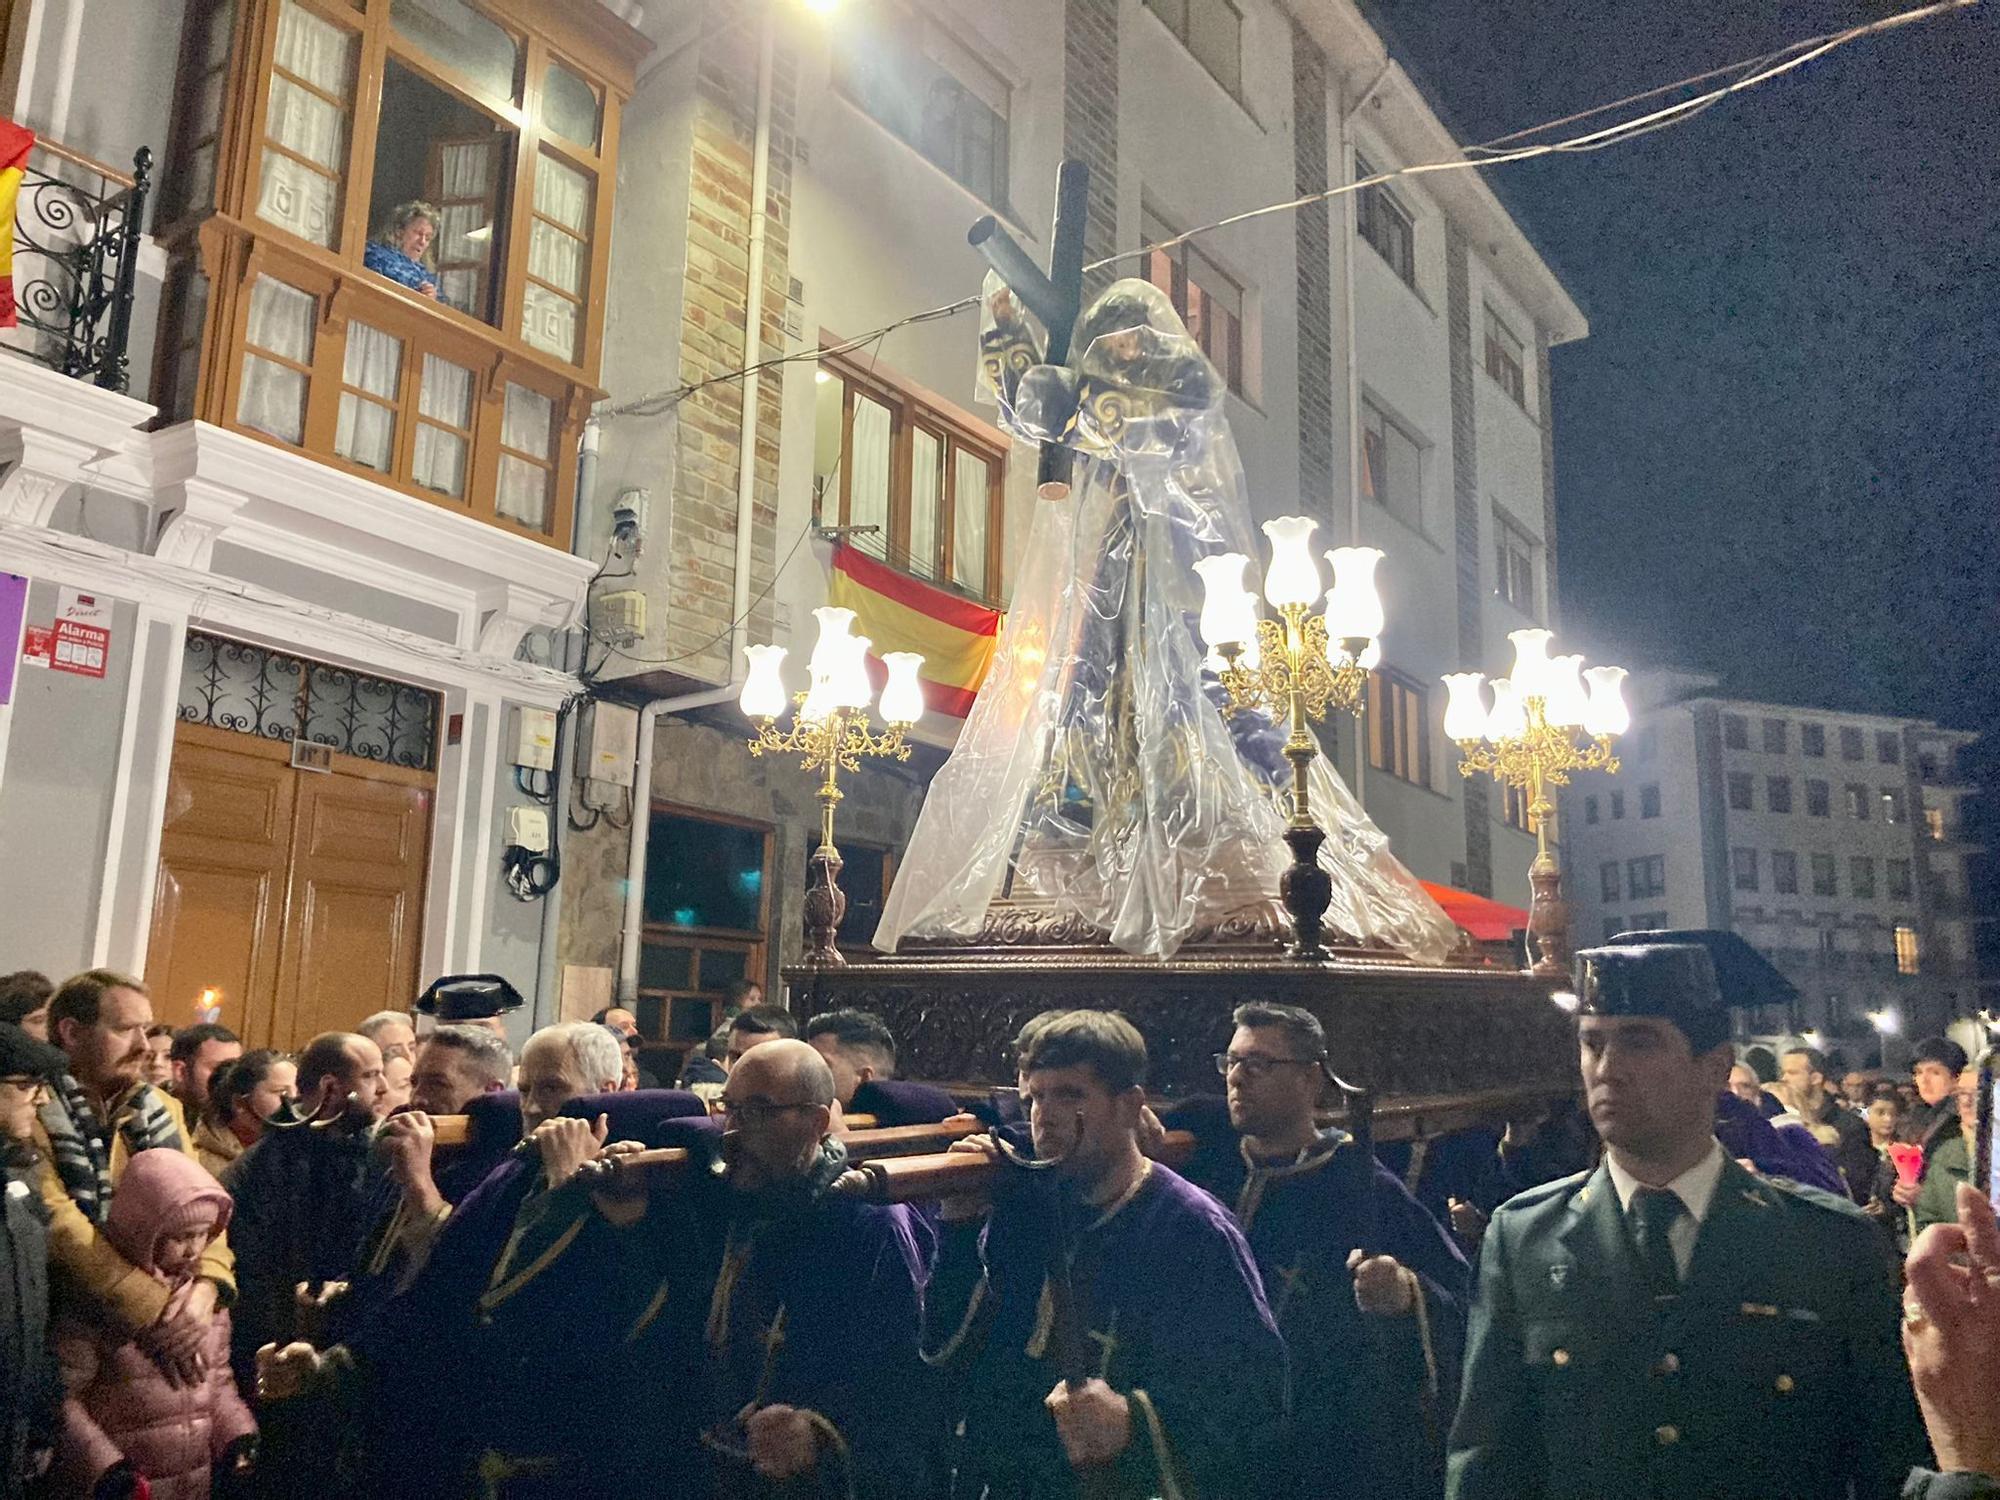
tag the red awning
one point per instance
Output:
(1489, 921)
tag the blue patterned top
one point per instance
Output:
(387, 260)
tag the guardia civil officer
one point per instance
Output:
(1670, 1324)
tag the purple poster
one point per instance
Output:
(13, 615)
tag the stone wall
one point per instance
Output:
(1090, 124)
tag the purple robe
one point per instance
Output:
(1175, 1315)
(1371, 1396)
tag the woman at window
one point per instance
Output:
(402, 251)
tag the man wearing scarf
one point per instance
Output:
(97, 1118)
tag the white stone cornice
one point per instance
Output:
(33, 395)
(270, 617)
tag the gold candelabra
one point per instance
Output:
(830, 733)
(1298, 666)
(1542, 727)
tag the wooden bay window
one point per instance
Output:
(302, 126)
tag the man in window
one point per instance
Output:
(402, 250)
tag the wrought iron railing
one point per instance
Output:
(76, 261)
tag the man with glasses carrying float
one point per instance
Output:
(1367, 1288)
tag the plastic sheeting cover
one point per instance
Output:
(1096, 772)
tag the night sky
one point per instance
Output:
(1777, 454)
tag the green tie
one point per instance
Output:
(1653, 1213)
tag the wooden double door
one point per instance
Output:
(297, 895)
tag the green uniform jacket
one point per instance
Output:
(1777, 1374)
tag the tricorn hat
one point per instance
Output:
(1673, 981)
(469, 997)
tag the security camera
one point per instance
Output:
(628, 518)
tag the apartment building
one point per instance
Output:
(1833, 842)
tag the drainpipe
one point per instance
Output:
(746, 490)
(1352, 205)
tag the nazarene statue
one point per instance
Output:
(1096, 783)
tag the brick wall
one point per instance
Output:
(1465, 498)
(1090, 123)
(1312, 235)
(710, 423)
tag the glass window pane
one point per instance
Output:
(527, 421)
(273, 399)
(445, 392)
(662, 968)
(556, 258)
(316, 50)
(971, 475)
(562, 193)
(1215, 36)
(365, 432)
(373, 361)
(282, 319)
(463, 40)
(926, 500)
(703, 874)
(868, 454)
(722, 967)
(438, 461)
(294, 197)
(301, 121)
(569, 106)
(549, 321)
(523, 493)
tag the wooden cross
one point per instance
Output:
(1055, 297)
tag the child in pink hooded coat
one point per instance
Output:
(121, 1408)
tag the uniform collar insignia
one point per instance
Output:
(1559, 1274)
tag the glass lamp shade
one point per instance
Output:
(1293, 577)
(1353, 606)
(1566, 706)
(1509, 719)
(848, 683)
(836, 626)
(1531, 662)
(1228, 612)
(1465, 709)
(1606, 714)
(902, 694)
(764, 687)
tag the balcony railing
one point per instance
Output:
(77, 225)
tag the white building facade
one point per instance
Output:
(1387, 356)
(1834, 843)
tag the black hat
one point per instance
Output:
(1674, 981)
(21, 1054)
(1744, 975)
(1940, 1049)
(469, 997)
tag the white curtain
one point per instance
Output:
(526, 425)
(273, 398)
(926, 500)
(465, 173)
(970, 495)
(292, 195)
(868, 455)
(561, 259)
(365, 431)
(446, 394)
(548, 322)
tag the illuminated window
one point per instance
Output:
(1208, 299)
(1906, 950)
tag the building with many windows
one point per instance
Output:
(1386, 356)
(1833, 842)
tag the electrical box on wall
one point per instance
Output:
(528, 828)
(535, 738)
(621, 617)
(609, 741)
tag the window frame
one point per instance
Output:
(1388, 723)
(1784, 872)
(1744, 782)
(1743, 868)
(1646, 876)
(1515, 547)
(1735, 732)
(1372, 202)
(909, 410)
(1183, 32)
(1778, 794)
(1776, 736)
(1812, 741)
(1154, 228)
(1419, 520)
(1512, 376)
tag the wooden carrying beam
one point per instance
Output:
(456, 1130)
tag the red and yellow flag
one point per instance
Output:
(955, 637)
(15, 144)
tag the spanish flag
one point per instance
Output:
(15, 144)
(955, 637)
